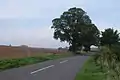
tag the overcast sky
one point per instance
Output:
(27, 22)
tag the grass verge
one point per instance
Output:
(90, 72)
(14, 63)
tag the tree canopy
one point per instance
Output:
(75, 27)
(109, 37)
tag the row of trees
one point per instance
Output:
(75, 27)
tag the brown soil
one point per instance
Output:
(22, 51)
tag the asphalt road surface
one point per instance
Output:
(61, 69)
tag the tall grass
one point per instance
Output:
(109, 61)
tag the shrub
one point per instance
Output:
(109, 60)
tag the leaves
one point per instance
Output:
(109, 60)
(109, 37)
(75, 27)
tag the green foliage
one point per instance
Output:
(109, 37)
(90, 72)
(89, 36)
(109, 59)
(75, 27)
(14, 63)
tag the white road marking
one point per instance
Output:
(42, 69)
(63, 61)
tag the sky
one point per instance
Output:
(28, 22)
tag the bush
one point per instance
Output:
(109, 60)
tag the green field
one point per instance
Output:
(90, 72)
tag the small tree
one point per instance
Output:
(109, 37)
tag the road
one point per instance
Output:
(61, 69)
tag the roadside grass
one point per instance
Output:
(90, 71)
(14, 63)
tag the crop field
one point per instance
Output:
(8, 52)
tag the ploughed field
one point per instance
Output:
(8, 52)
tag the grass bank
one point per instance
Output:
(14, 63)
(90, 72)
